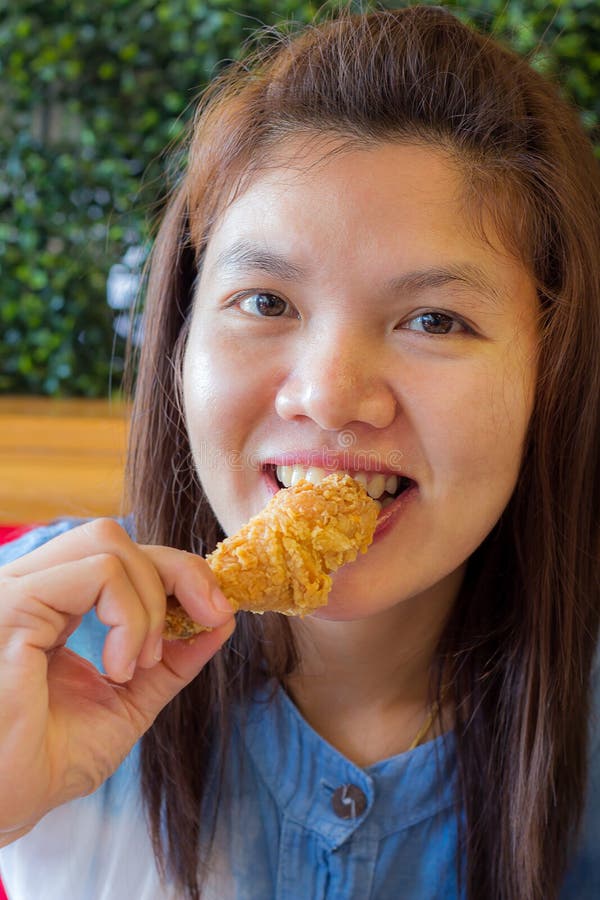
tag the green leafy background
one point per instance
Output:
(92, 93)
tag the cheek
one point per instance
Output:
(224, 392)
(476, 427)
(204, 393)
(224, 402)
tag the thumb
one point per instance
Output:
(151, 689)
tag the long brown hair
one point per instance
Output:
(520, 641)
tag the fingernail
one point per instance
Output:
(220, 601)
(158, 650)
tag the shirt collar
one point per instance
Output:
(303, 772)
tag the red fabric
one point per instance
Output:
(11, 533)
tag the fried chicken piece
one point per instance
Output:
(283, 558)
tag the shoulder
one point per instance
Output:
(595, 713)
(583, 879)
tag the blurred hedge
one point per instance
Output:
(91, 95)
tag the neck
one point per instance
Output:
(364, 685)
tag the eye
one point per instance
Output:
(437, 322)
(263, 303)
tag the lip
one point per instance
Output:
(387, 516)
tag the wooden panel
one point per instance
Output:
(60, 457)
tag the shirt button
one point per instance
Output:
(348, 801)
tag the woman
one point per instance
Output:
(385, 243)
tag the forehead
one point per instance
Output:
(318, 194)
(361, 170)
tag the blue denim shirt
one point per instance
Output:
(296, 820)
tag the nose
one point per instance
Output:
(336, 382)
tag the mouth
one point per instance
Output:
(384, 488)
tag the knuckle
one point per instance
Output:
(105, 531)
(135, 618)
(111, 566)
(200, 566)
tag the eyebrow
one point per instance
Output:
(466, 274)
(244, 255)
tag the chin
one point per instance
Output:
(342, 609)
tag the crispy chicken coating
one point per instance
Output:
(282, 559)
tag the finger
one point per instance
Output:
(153, 571)
(106, 535)
(189, 579)
(38, 609)
(87, 539)
(151, 689)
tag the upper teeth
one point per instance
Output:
(375, 483)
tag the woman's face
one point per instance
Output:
(347, 316)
